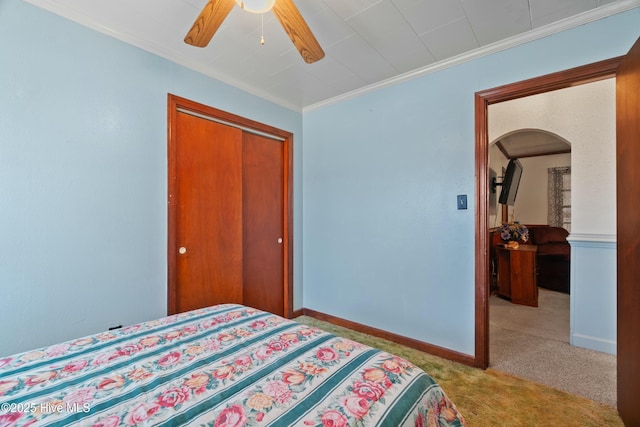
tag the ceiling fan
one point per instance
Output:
(215, 11)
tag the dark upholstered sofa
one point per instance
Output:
(553, 257)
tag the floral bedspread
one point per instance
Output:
(223, 366)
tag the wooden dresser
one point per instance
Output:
(517, 274)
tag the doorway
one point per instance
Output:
(229, 210)
(522, 129)
(626, 70)
(560, 80)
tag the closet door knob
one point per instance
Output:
(182, 250)
(279, 239)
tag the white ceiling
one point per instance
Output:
(367, 42)
(532, 143)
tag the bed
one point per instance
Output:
(222, 366)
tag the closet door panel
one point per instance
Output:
(263, 223)
(209, 213)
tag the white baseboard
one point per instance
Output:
(593, 343)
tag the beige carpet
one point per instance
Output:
(533, 343)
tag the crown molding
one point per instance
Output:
(538, 33)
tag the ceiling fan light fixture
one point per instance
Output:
(256, 6)
(286, 12)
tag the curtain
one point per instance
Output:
(559, 197)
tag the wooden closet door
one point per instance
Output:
(230, 203)
(208, 213)
(263, 223)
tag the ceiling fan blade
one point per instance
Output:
(210, 19)
(298, 30)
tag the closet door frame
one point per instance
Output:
(176, 104)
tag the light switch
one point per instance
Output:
(462, 201)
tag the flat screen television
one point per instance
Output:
(510, 183)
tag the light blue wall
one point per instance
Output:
(593, 284)
(83, 173)
(384, 244)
